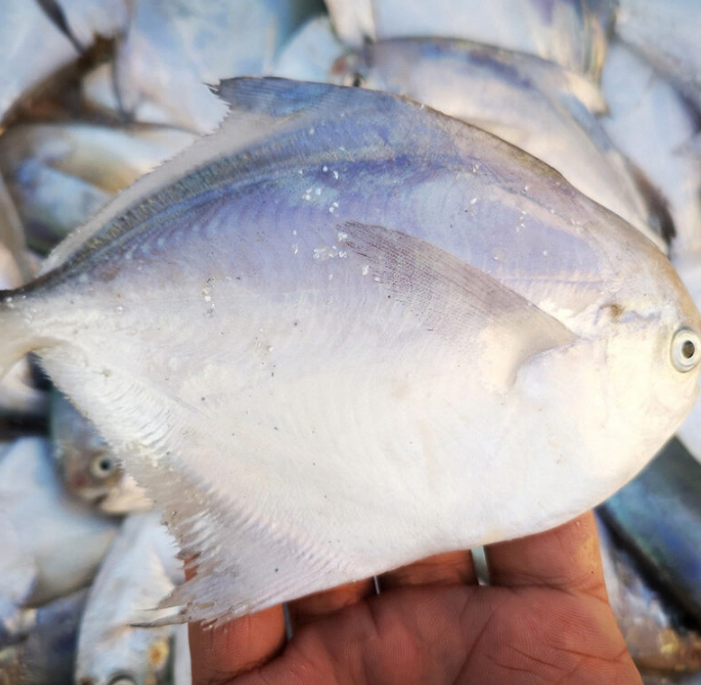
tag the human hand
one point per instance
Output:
(544, 619)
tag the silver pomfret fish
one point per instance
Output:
(346, 332)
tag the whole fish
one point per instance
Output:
(525, 100)
(311, 334)
(88, 466)
(63, 538)
(652, 625)
(172, 49)
(659, 516)
(571, 33)
(61, 174)
(132, 578)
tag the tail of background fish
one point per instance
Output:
(17, 336)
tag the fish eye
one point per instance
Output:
(686, 350)
(102, 466)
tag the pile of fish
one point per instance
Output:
(326, 289)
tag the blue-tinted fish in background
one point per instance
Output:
(659, 516)
(571, 33)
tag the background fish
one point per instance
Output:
(63, 538)
(60, 175)
(46, 656)
(656, 631)
(571, 33)
(527, 101)
(658, 515)
(653, 125)
(26, 30)
(196, 43)
(667, 35)
(88, 466)
(310, 297)
(133, 577)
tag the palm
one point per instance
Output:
(544, 619)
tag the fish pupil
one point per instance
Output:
(688, 349)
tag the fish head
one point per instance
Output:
(89, 468)
(652, 346)
(350, 69)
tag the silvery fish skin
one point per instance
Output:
(358, 300)
(654, 127)
(688, 266)
(12, 240)
(63, 538)
(571, 33)
(659, 516)
(527, 101)
(651, 624)
(173, 49)
(665, 33)
(61, 174)
(19, 398)
(26, 30)
(132, 579)
(46, 656)
(309, 52)
(18, 571)
(89, 468)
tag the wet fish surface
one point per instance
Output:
(656, 631)
(195, 43)
(46, 656)
(534, 104)
(658, 515)
(61, 174)
(571, 33)
(308, 334)
(59, 539)
(133, 576)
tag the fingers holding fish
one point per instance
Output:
(450, 568)
(566, 558)
(223, 652)
(321, 604)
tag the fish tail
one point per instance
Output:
(17, 336)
